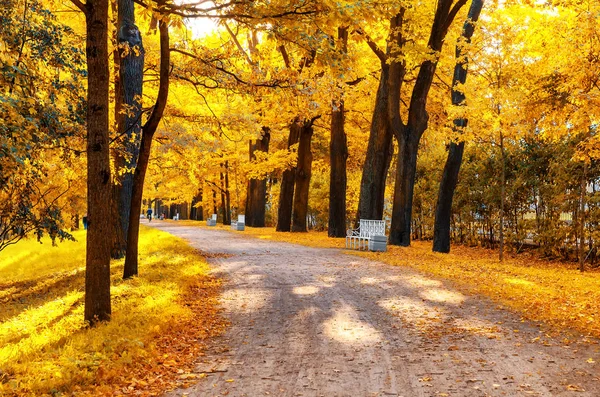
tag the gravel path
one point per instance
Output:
(319, 322)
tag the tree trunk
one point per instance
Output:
(303, 174)
(502, 197)
(443, 211)
(409, 134)
(582, 219)
(131, 257)
(129, 109)
(338, 154)
(256, 198)
(97, 271)
(378, 156)
(196, 212)
(214, 201)
(406, 167)
(225, 194)
(288, 181)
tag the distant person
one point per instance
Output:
(85, 222)
(149, 214)
(162, 216)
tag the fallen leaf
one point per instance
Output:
(575, 388)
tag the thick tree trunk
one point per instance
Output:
(131, 257)
(97, 273)
(256, 197)
(378, 156)
(443, 212)
(338, 154)
(288, 181)
(387, 107)
(406, 167)
(409, 134)
(129, 108)
(303, 175)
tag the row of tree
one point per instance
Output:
(292, 114)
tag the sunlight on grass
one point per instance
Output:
(29, 260)
(45, 347)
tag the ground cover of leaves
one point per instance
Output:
(160, 320)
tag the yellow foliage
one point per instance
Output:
(157, 320)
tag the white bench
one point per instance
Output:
(212, 221)
(240, 224)
(360, 238)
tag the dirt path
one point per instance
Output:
(318, 322)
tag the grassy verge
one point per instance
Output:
(552, 292)
(159, 320)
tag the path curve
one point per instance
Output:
(319, 322)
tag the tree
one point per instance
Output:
(338, 152)
(441, 234)
(97, 272)
(42, 68)
(148, 130)
(129, 58)
(303, 174)
(288, 182)
(409, 133)
(256, 197)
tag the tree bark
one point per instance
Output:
(129, 112)
(502, 198)
(131, 257)
(380, 148)
(378, 157)
(288, 181)
(97, 274)
(225, 203)
(256, 197)
(582, 192)
(409, 134)
(443, 211)
(303, 175)
(338, 154)
(197, 212)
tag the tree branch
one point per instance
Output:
(79, 5)
(373, 45)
